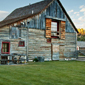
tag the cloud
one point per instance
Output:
(79, 24)
(80, 18)
(84, 14)
(76, 12)
(3, 14)
(70, 11)
(82, 10)
(81, 6)
(78, 21)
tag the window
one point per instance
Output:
(15, 32)
(54, 29)
(21, 43)
(5, 47)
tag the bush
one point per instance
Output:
(35, 60)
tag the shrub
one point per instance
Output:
(35, 60)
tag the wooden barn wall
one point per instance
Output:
(67, 46)
(38, 21)
(14, 48)
(54, 10)
(38, 45)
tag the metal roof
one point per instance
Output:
(31, 10)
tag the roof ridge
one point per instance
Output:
(29, 5)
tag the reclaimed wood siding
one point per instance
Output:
(38, 45)
(38, 21)
(48, 28)
(63, 29)
(54, 10)
(70, 47)
(14, 48)
(55, 52)
(67, 46)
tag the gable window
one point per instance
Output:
(21, 44)
(54, 29)
(5, 47)
(15, 32)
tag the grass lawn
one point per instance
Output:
(46, 73)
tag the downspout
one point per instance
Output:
(76, 47)
(27, 41)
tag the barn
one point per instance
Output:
(43, 29)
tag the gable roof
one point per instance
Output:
(26, 12)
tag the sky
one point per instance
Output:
(75, 9)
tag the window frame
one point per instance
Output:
(8, 48)
(21, 45)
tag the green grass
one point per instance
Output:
(46, 73)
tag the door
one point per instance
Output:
(55, 52)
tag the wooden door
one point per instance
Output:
(55, 52)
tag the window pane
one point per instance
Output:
(5, 50)
(54, 26)
(3, 45)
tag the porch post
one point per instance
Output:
(0, 59)
(27, 43)
(8, 60)
(25, 60)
